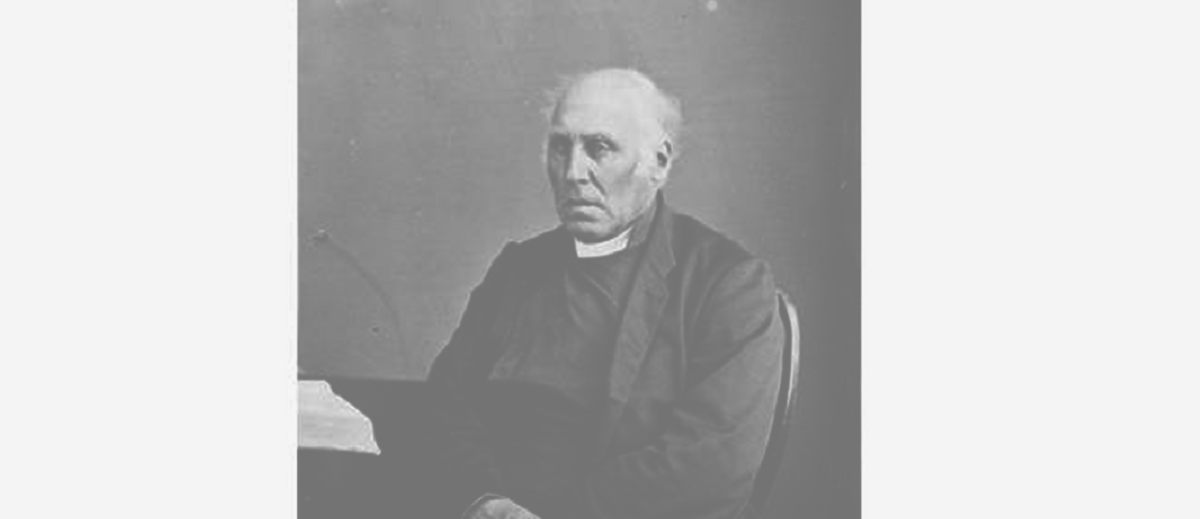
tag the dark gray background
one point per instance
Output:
(420, 155)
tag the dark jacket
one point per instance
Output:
(693, 382)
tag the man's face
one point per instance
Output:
(600, 160)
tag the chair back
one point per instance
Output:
(764, 479)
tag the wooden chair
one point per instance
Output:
(764, 479)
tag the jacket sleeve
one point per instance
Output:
(461, 451)
(704, 462)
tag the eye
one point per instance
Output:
(559, 145)
(598, 147)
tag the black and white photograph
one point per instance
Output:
(600, 259)
(584, 259)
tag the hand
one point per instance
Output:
(502, 508)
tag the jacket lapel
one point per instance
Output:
(643, 310)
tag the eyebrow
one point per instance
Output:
(597, 135)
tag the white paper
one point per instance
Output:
(328, 421)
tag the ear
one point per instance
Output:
(663, 156)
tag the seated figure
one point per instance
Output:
(623, 365)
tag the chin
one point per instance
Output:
(588, 231)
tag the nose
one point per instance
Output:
(578, 166)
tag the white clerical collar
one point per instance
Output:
(604, 248)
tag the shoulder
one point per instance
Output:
(531, 252)
(729, 297)
(706, 253)
(520, 261)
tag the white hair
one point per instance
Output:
(666, 109)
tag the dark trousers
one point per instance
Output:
(405, 481)
(410, 479)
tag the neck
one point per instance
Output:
(631, 236)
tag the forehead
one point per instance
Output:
(599, 108)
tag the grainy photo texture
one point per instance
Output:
(579, 260)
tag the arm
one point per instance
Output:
(704, 462)
(461, 448)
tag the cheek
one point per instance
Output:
(635, 185)
(622, 178)
(554, 175)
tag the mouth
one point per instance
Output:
(577, 203)
(576, 209)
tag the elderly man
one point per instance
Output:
(624, 364)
